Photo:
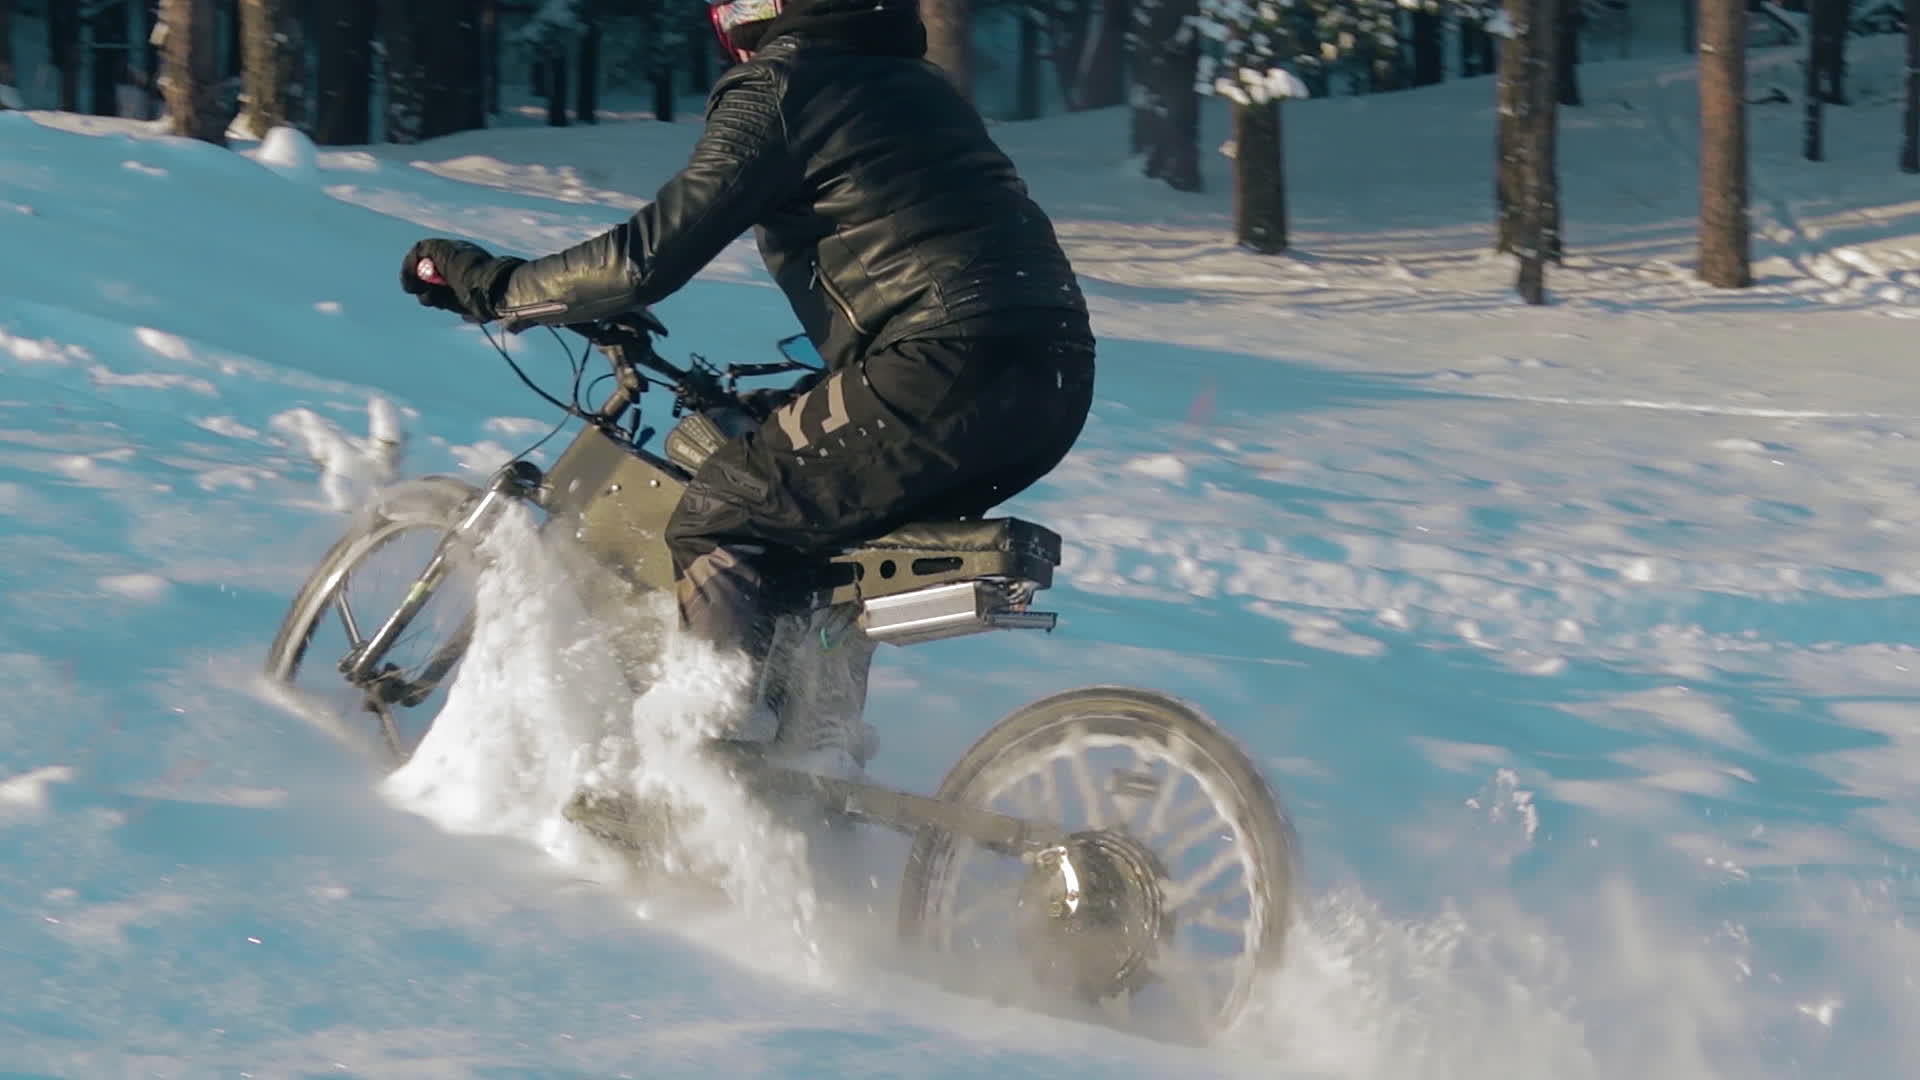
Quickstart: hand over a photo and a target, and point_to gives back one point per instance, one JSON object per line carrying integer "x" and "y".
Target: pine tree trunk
{"x": 233, "y": 56}
{"x": 299, "y": 86}
{"x": 702, "y": 43}
{"x": 663, "y": 103}
{"x": 343, "y": 72}
{"x": 1724, "y": 240}
{"x": 1910, "y": 119}
{"x": 1259, "y": 179}
{"x": 1477, "y": 49}
{"x": 1180, "y": 126}
{"x": 155, "y": 105}
{"x": 1026, "y": 89}
{"x": 6, "y": 45}
{"x": 1384, "y": 75}
{"x": 405, "y": 71}
{"x": 1538, "y": 241}
{"x": 1105, "y": 84}
{"x": 192, "y": 71}
{"x": 556, "y": 75}
{"x": 490, "y": 42}
{"x": 587, "y": 98}
{"x": 1830, "y": 44}
{"x": 267, "y": 35}
{"x": 1811, "y": 131}
{"x": 1429, "y": 48}
{"x": 950, "y": 39}
{"x": 433, "y": 68}
{"x": 1566, "y": 64}
{"x": 462, "y": 63}
{"x": 63, "y": 49}
{"x": 1511, "y": 96}
{"x": 1165, "y": 65}
{"x": 110, "y": 55}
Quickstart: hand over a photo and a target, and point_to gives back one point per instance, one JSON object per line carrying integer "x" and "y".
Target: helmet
{"x": 726, "y": 15}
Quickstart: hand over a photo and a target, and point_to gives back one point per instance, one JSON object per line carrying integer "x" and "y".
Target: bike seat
{"x": 928, "y": 553}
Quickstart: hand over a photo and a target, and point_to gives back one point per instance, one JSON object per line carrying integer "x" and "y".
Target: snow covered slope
{"x": 1580, "y": 640}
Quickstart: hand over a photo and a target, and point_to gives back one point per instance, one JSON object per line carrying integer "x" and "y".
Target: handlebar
{"x": 626, "y": 339}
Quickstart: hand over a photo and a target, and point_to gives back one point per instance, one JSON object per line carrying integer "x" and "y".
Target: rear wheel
{"x": 1165, "y": 905}
{"x": 381, "y": 623}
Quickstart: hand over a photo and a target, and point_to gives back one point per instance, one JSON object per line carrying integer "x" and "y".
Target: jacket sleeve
{"x": 739, "y": 168}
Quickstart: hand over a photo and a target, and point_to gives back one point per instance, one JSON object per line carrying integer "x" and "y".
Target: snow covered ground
{"x": 1579, "y": 639}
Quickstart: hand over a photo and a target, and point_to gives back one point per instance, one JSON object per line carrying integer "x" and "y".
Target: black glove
{"x": 472, "y": 279}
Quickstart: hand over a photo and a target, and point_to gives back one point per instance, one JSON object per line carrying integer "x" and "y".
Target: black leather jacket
{"x": 882, "y": 207}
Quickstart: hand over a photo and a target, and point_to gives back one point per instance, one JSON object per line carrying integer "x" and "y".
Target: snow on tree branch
{"x": 1257, "y": 50}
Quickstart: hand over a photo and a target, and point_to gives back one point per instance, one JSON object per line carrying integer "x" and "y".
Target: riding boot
{"x": 721, "y": 597}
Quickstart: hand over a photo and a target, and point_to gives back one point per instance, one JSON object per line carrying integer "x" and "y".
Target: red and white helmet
{"x": 732, "y": 13}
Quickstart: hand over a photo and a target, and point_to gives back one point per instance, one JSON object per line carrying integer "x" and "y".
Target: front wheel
{"x": 384, "y": 618}
{"x": 1164, "y": 906}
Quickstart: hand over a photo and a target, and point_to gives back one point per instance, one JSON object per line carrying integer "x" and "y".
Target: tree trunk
{"x": 663, "y": 101}
{"x": 1104, "y": 84}
{"x": 587, "y": 98}
{"x": 234, "y": 55}
{"x": 343, "y": 72}
{"x": 268, "y": 36}
{"x": 1384, "y": 74}
{"x": 1088, "y": 53}
{"x": 1180, "y": 127}
{"x": 405, "y": 70}
{"x": 1026, "y": 87}
{"x": 1429, "y": 48}
{"x": 1477, "y": 49}
{"x": 1724, "y": 240}
{"x": 1566, "y": 64}
{"x": 950, "y": 39}
{"x": 556, "y": 75}
{"x": 6, "y": 44}
{"x": 490, "y": 42}
{"x": 299, "y": 88}
{"x": 110, "y": 55}
{"x": 1910, "y": 119}
{"x": 1539, "y": 217}
{"x": 1828, "y": 48}
{"x": 1512, "y": 98}
{"x": 702, "y": 43}
{"x": 433, "y": 68}
{"x": 63, "y": 49}
{"x": 150, "y": 78}
{"x": 1811, "y": 129}
{"x": 1166, "y": 63}
{"x": 192, "y": 71}
{"x": 665, "y": 25}
{"x": 1259, "y": 179}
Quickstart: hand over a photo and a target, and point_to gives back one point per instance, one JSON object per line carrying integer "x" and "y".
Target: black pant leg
{"x": 870, "y": 448}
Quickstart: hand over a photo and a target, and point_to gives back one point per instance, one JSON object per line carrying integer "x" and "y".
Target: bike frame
{"x": 615, "y": 498}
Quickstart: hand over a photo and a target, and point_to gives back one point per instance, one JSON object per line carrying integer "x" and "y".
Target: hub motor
{"x": 1089, "y": 917}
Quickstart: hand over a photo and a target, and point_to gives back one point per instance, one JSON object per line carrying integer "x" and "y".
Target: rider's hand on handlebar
{"x": 456, "y": 276}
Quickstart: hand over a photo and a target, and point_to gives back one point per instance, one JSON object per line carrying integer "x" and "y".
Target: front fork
{"x": 518, "y": 480}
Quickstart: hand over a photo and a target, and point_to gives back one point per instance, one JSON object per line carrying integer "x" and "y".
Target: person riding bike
{"x": 959, "y": 354}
